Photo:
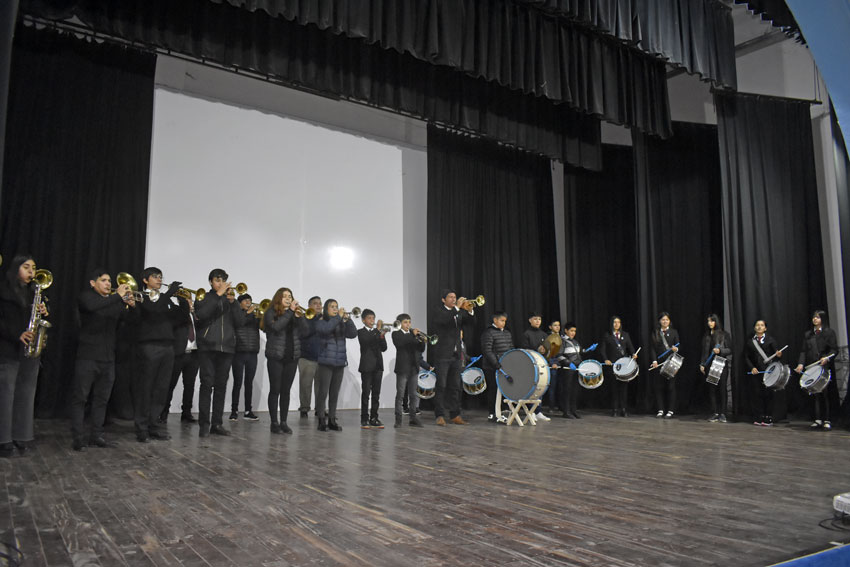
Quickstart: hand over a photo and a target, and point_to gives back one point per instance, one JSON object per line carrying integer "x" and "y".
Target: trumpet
{"x": 261, "y": 308}
{"x": 188, "y": 293}
{"x": 240, "y": 289}
{"x": 470, "y": 304}
{"x": 308, "y": 313}
{"x": 394, "y": 327}
{"x": 430, "y": 339}
{"x": 355, "y": 312}
{"x": 124, "y": 278}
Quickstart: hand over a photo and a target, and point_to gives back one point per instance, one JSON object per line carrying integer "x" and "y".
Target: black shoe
{"x": 160, "y": 436}
{"x": 285, "y": 428}
{"x": 22, "y": 446}
{"x": 304, "y": 414}
{"x": 405, "y": 411}
{"x": 614, "y": 413}
{"x": 414, "y": 421}
{"x": 100, "y": 442}
{"x": 323, "y": 424}
{"x": 334, "y": 426}
{"x": 234, "y": 416}
{"x": 7, "y": 451}
{"x": 375, "y": 423}
{"x": 624, "y": 413}
{"x": 143, "y": 439}
{"x": 364, "y": 424}
{"x": 568, "y": 415}
{"x": 576, "y": 415}
{"x": 275, "y": 427}
{"x": 249, "y": 415}
{"x": 204, "y": 432}
{"x": 163, "y": 417}
{"x": 397, "y": 421}
{"x": 187, "y": 418}
{"x": 78, "y": 445}
{"x": 219, "y": 430}
{"x": 418, "y": 411}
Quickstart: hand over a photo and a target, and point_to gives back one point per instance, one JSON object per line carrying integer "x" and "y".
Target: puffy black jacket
{"x": 494, "y": 343}
{"x": 248, "y": 335}
{"x": 333, "y": 333}
{"x": 280, "y": 330}
{"x": 14, "y": 319}
{"x": 218, "y": 320}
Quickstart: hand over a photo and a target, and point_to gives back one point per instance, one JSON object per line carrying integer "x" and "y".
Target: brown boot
{"x": 441, "y": 420}
{"x": 458, "y": 420}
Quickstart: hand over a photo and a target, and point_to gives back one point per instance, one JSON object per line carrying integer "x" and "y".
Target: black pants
{"x": 717, "y": 392}
{"x": 151, "y": 387}
{"x": 371, "y": 388}
{"x": 448, "y": 390}
{"x": 327, "y": 391}
{"x": 765, "y": 398}
{"x": 244, "y": 368}
{"x": 823, "y": 400}
{"x": 662, "y": 385}
{"x": 215, "y": 370}
{"x": 570, "y": 389}
{"x": 281, "y": 376}
{"x": 187, "y": 365}
{"x": 619, "y": 389}
{"x": 95, "y": 378}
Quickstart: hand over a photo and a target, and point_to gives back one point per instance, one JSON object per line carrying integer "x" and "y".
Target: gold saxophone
{"x": 38, "y": 326}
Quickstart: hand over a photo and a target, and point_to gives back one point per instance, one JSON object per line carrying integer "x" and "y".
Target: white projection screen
{"x": 277, "y": 203}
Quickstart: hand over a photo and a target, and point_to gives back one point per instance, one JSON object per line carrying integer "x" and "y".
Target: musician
{"x": 448, "y": 321}
{"x": 662, "y": 346}
{"x": 186, "y": 362}
{"x": 18, "y": 374}
{"x": 308, "y": 364}
{"x": 218, "y": 318}
{"x": 333, "y": 329}
{"x": 757, "y": 352}
{"x": 409, "y": 346}
{"x": 495, "y": 341}
{"x": 534, "y": 338}
{"x": 373, "y": 342}
{"x": 616, "y": 344}
{"x": 284, "y": 327}
{"x": 155, "y": 354}
{"x": 245, "y": 358}
{"x": 716, "y": 342}
{"x": 94, "y": 373}
{"x": 819, "y": 344}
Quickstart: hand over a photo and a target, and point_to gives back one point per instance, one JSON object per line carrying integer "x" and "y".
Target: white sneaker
{"x": 502, "y": 419}
{"x": 660, "y": 413}
{"x": 669, "y": 415}
{"x": 542, "y": 417}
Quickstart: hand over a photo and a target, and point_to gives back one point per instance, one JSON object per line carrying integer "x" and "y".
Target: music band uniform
{"x": 495, "y": 342}
{"x": 186, "y": 363}
{"x": 373, "y": 344}
{"x": 616, "y": 345}
{"x": 245, "y": 360}
{"x": 661, "y": 341}
{"x": 754, "y": 359}
{"x": 570, "y": 354}
{"x": 819, "y": 343}
{"x": 447, "y": 355}
{"x": 409, "y": 351}
{"x": 720, "y": 339}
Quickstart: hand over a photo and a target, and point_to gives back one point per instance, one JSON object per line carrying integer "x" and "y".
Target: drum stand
{"x": 528, "y": 405}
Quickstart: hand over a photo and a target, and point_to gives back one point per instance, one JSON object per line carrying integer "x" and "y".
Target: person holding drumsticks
{"x": 757, "y": 356}
{"x": 820, "y": 345}
{"x": 662, "y": 346}
{"x": 616, "y": 343}
{"x": 716, "y": 342}
{"x": 495, "y": 341}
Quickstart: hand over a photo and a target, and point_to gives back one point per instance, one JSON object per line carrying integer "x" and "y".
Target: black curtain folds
{"x": 679, "y": 247}
{"x": 842, "y": 179}
{"x": 75, "y": 186}
{"x": 602, "y": 268}
{"x": 8, "y": 17}
{"x": 772, "y": 238}
{"x": 490, "y": 230}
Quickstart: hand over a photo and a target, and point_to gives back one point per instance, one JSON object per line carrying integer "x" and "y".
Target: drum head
{"x": 518, "y": 377}
{"x": 472, "y": 376}
{"x": 626, "y": 368}
{"x": 590, "y": 368}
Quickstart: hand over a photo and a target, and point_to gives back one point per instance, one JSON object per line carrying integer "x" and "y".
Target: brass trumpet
{"x": 308, "y": 313}
{"x": 470, "y": 304}
{"x": 188, "y": 293}
{"x": 240, "y": 289}
{"x": 261, "y": 308}
{"x": 124, "y": 278}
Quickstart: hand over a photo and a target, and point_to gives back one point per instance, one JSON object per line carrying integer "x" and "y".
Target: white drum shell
{"x": 426, "y": 385}
{"x": 590, "y": 374}
{"x": 815, "y": 379}
{"x": 776, "y": 376}
{"x": 472, "y": 380}
{"x": 626, "y": 369}
{"x": 672, "y": 365}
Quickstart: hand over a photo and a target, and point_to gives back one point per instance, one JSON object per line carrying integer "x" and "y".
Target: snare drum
{"x": 524, "y": 375}
{"x": 715, "y": 371}
{"x": 426, "y": 385}
{"x": 672, "y": 365}
{"x": 473, "y": 381}
{"x": 590, "y": 374}
{"x": 776, "y": 376}
{"x": 626, "y": 369}
{"x": 815, "y": 379}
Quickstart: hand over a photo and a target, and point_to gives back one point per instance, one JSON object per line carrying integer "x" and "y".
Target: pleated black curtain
{"x": 679, "y": 247}
{"x": 490, "y": 230}
{"x": 8, "y": 18}
{"x": 842, "y": 175}
{"x": 602, "y": 268}
{"x": 75, "y": 185}
{"x": 772, "y": 239}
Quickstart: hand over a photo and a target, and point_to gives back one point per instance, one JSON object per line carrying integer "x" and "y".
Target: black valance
{"x": 319, "y": 60}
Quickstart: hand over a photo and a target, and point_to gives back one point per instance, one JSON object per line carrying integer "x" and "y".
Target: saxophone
{"x": 38, "y": 326}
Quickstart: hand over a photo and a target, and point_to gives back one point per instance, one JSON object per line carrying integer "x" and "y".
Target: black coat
{"x": 494, "y": 343}
{"x": 408, "y": 351}
{"x": 181, "y": 327}
{"x": 721, "y": 340}
{"x": 15, "y": 313}
{"x": 752, "y": 358}
{"x": 248, "y": 335}
{"x": 280, "y": 330}
{"x": 657, "y": 345}
{"x": 816, "y": 346}
{"x": 99, "y": 318}
{"x": 532, "y": 339}
{"x": 157, "y": 319}
{"x": 218, "y": 320}
{"x": 612, "y": 349}
{"x": 447, "y": 325}
{"x": 372, "y": 344}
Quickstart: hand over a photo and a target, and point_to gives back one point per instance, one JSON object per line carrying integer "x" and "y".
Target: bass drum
{"x": 426, "y": 385}
{"x": 776, "y": 376}
{"x": 524, "y": 375}
{"x": 473, "y": 381}
{"x": 626, "y": 369}
{"x": 590, "y": 374}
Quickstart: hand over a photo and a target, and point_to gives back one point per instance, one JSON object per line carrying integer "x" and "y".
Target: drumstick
{"x": 812, "y": 365}
{"x": 638, "y": 350}
{"x": 666, "y": 351}
{"x": 769, "y": 358}
{"x": 472, "y": 361}
{"x": 759, "y": 372}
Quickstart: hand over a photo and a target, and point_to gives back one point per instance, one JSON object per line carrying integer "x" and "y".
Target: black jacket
{"x": 612, "y": 349}
{"x": 218, "y": 320}
{"x": 408, "y": 351}
{"x": 494, "y": 343}
{"x": 571, "y": 351}
{"x": 447, "y": 325}
{"x": 532, "y": 339}
{"x": 281, "y": 330}
{"x": 15, "y": 313}
{"x": 752, "y": 358}
{"x": 157, "y": 319}
{"x": 721, "y": 340}
{"x": 816, "y": 346}
{"x": 372, "y": 344}
{"x": 181, "y": 327}
{"x": 656, "y": 345}
{"x": 99, "y": 317}
{"x": 248, "y": 335}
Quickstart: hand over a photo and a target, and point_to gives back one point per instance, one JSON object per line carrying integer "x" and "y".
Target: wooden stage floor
{"x": 592, "y": 492}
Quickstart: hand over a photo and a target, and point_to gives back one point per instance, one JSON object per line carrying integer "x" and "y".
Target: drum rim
{"x": 631, "y": 360}
{"x": 472, "y": 369}
{"x": 591, "y": 361}
{"x": 525, "y": 352}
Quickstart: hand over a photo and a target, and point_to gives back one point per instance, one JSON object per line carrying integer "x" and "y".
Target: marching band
{"x": 213, "y": 332}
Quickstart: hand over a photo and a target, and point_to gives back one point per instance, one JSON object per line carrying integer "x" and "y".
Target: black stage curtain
{"x": 8, "y": 17}
{"x": 76, "y": 178}
{"x": 505, "y": 42}
{"x": 772, "y": 238}
{"x": 842, "y": 174}
{"x": 491, "y": 230}
{"x": 679, "y": 247}
{"x": 600, "y": 255}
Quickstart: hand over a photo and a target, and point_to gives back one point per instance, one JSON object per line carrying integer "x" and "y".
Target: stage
{"x": 598, "y": 491}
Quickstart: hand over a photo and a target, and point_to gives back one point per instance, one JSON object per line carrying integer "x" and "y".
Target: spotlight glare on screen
{"x": 341, "y": 258}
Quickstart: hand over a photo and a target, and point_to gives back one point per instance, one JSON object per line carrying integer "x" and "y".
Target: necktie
{"x": 191, "y": 329}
